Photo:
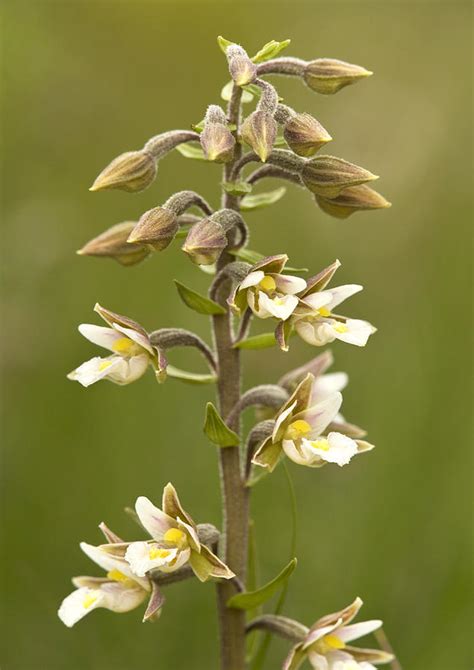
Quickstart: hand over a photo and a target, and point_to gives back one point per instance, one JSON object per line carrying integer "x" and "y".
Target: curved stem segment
{"x": 235, "y": 496}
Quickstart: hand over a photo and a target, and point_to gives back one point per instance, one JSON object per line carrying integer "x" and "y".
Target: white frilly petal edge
{"x": 138, "y": 557}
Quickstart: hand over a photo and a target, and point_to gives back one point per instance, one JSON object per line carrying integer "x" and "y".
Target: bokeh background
{"x": 84, "y": 81}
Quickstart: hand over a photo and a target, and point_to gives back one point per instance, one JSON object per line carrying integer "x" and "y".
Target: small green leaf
{"x": 237, "y": 187}
{"x": 247, "y": 255}
{"x": 223, "y": 43}
{"x": 259, "y": 200}
{"x": 189, "y": 377}
{"x": 199, "y": 127}
{"x": 217, "y": 431}
{"x": 197, "y": 302}
{"x": 227, "y": 92}
{"x": 252, "y": 599}
{"x": 270, "y": 50}
{"x": 263, "y": 341}
{"x": 191, "y": 151}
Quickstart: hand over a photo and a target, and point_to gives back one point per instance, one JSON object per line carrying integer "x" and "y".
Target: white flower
{"x": 175, "y": 541}
{"x": 119, "y": 591}
{"x": 299, "y": 432}
{"x": 266, "y": 291}
{"x": 326, "y": 648}
{"x": 132, "y": 351}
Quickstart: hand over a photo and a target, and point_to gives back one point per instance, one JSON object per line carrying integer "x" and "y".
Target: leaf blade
{"x": 262, "y": 341}
{"x": 252, "y": 599}
{"x": 197, "y": 302}
{"x": 259, "y": 200}
{"x": 217, "y": 431}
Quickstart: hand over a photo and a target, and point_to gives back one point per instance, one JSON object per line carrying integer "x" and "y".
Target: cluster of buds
{"x": 135, "y": 570}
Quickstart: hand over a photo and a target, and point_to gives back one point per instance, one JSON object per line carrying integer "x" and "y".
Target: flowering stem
{"x": 235, "y": 496}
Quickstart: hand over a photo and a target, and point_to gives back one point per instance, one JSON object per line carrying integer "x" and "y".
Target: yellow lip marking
{"x": 297, "y": 429}
{"x": 267, "y": 284}
{"x": 123, "y": 345}
{"x": 104, "y": 365}
{"x": 322, "y": 444}
{"x": 324, "y": 311}
{"x": 156, "y": 552}
{"x": 89, "y": 599}
{"x": 174, "y": 536}
{"x": 334, "y": 642}
{"x": 340, "y": 328}
{"x": 118, "y": 576}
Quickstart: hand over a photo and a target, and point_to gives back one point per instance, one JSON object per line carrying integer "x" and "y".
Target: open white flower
{"x": 119, "y": 591}
{"x": 175, "y": 541}
{"x": 266, "y": 291}
{"x": 300, "y": 432}
{"x": 326, "y": 648}
{"x": 132, "y": 351}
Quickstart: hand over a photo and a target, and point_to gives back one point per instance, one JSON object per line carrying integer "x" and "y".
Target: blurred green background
{"x": 84, "y": 81}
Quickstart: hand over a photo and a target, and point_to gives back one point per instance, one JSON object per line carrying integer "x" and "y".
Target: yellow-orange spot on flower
{"x": 174, "y": 536}
{"x": 267, "y": 284}
{"x": 322, "y": 444}
{"x": 89, "y": 600}
{"x": 324, "y": 311}
{"x": 104, "y": 365}
{"x": 297, "y": 429}
{"x": 340, "y": 327}
{"x": 334, "y": 642}
{"x": 156, "y": 552}
{"x": 118, "y": 576}
{"x": 123, "y": 345}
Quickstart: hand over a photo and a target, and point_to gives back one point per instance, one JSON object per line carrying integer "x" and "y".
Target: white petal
{"x": 317, "y": 300}
{"x": 325, "y": 385}
{"x": 79, "y": 603}
{"x": 341, "y": 293}
{"x": 318, "y": 661}
{"x": 153, "y": 519}
{"x": 281, "y": 307}
{"x": 182, "y": 558}
{"x": 100, "y": 335}
{"x": 317, "y": 333}
{"x": 131, "y": 370}
{"x": 98, "y": 368}
{"x": 319, "y": 416}
{"x": 121, "y": 598}
{"x": 358, "y": 332}
{"x": 138, "y": 556}
{"x": 356, "y": 630}
{"x": 261, "y": 312}
{"x": 289, "y": 284}
{"x": 252, "y": 279}
{"x": 341, "y": 449}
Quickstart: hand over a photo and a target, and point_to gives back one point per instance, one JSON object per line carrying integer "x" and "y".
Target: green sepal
{"x": 223, "y": 43}
{"x": 269, "y": 50}
{"x": 197, "y": 302}
{"x": 237, "y": 187}
{"x": 259, "y": 200}
{"x": 262, "y": 341}
{"x": 190, "y": 377}
{"x": 191, "y": 151}
{"x": 252, "y": 599}
{"x": 217, "y": 431}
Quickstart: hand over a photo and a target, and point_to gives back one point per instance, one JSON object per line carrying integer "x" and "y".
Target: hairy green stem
{"x": 235, "y": 496}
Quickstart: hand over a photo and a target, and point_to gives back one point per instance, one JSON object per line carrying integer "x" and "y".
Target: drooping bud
{"x": 216, "y": 139}
{"x": 328, "y": 175}
{"x": 112, "y": 243}
{"x": 242, "y": 70}
{"x": 305, "y": 135}
{"x": 157, "y": 227}
{"x": 132, "y": 171}
{"x": 329, "y": 75}
{"x": 351, "y": 200}
{"x": 205, "y": 242}
{"x": 259, "y": 131}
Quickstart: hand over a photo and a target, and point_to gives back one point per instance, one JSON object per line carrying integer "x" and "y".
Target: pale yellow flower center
{"x": 297, "y": 430}
{"x": 175, "y": 536}
{"x": 328, "y": 643}
{"x": 267, "y": 284}
{"x": 117, "y": 576}
{"x": 89, "y": 600}
{"x": 321, "y": 443}
{"x": 104, "y": 365}
{"x": 125, "y": 346}
{"x": 340, "y": 327}
{"x": 324, "y": 311}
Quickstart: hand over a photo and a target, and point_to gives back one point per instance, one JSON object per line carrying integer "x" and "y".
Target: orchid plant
{"x": 298, "y": 418}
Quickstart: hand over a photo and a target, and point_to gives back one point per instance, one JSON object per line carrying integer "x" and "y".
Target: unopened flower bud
{"x": 112, "y": 243}
{"x": 156, "y": 227}
{"x": 305, "y": 135}
{"x": 259, "y": 131}
{"x": 132, "y": 171}
{"x": 328, "y": 75}
{"x": 242, "y": 70}
{"x": 352, "y": 199}
{"x": 217, "y": 142}
{"x": 205, "y": 242}
{"x": 328, "y": 175}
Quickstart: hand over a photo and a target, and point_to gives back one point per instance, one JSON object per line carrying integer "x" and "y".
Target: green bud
{"x": 328, "y": 75}
{"x": 259, "y": 131}
{"x": 328, "y": 176}
{"x": 205, "y": 242}
{"x": 156, "y": 227}
{"x": 132, "y": 171}
{"x": 241, "y": 68}
{"x": 351, "y": 200}
{"x": 112, "y": 243}
{"x": 305, "y": 135}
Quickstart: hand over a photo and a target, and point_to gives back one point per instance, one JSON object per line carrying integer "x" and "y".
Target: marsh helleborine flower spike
{"x": 326, "y": 648}
{"x": 299, "y": 432}
{"x": 175, "y": 541}
{"x": 119, "y": 591}
{"x": 267, "y": 291}
{"x": 132, "y": 352}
